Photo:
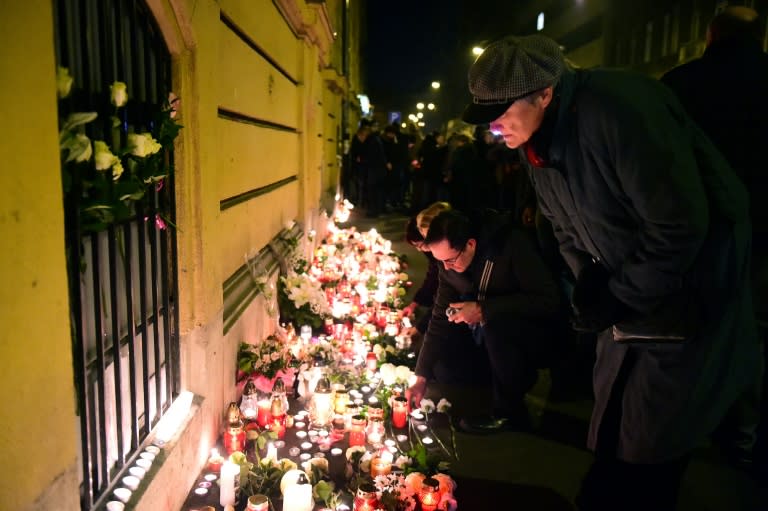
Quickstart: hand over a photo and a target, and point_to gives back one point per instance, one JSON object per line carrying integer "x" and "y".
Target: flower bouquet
{"x": 265, "y": 363}
{"x": 301, "y": 298}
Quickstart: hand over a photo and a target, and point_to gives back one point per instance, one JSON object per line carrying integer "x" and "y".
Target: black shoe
{"x": 488, "y": 424}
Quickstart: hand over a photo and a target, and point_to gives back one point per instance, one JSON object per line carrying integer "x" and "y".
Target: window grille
{"x": 122, "y": 279}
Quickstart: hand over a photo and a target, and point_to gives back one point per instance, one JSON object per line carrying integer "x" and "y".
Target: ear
{"x": 471, "y": 243}
{"x": 546, "y": 96}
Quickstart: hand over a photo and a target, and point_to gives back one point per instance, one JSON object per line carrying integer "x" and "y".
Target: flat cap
{"x": 508, "y": 70}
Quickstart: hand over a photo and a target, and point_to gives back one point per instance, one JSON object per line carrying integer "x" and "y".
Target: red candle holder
{"x": 365, "y": 498}
{"x": 429, "y": 495}
{"x": 399, "y": 412}
{"x": 357, "y": 431}
{"x": 234, "y": 438}
{"x": 264, "y": 415}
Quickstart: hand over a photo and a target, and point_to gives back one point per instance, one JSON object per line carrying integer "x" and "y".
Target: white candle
{"x": 131, "y": 482}
{"x": 427, "y": 440}
{"x": 229, "y": 471}
{"x": 298, "y": 497}
{"x": 123, "y": 494}
{"x": 271, "y": 452}
{"x": 137, "y": 471}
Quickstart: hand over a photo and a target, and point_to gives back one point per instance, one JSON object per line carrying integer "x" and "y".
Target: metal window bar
{"x": 123, "y": 280}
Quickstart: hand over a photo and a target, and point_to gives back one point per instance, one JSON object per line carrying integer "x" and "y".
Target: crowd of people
{"x": 616, "y": 206}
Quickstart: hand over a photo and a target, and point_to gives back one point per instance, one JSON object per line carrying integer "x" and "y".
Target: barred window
{"x": 121, "y": 260}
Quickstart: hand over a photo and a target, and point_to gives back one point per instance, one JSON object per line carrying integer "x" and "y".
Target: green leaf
{"x": 77, "y": 119}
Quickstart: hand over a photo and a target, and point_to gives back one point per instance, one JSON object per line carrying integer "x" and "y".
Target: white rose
{"x": 142, "y": 144}
{"x": 63, "y": 82}
{"x": 387, "y": 373}
{"x": 83, "y": 149}
{"x": 117, "y": 170}
{"x": 119, "y": 92}
{"x": 103, "y": 157}
{"x": 402, "y": 373}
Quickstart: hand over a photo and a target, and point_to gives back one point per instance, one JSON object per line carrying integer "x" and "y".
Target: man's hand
{"x": 466, "y": 312}
{"x": 409, "y": 309}
{"x": 415, "y": 393}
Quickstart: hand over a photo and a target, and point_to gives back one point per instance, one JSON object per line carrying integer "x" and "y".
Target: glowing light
{"x": 540, "y": 21}
{"x": 430, "y": 106}
{"x": 435, "y": 85}
{"x": 171, "y": 422}
{"x": 477, "y": 51}
{"x": 420, "y": 105}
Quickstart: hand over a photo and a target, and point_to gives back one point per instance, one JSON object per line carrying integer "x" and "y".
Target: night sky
{"x": 409, "y": 44}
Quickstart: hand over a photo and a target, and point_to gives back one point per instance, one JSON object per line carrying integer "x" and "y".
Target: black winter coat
{"x": 634, "y": 183}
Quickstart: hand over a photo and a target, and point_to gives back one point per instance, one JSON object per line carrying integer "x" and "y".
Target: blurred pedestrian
{"x": 726, "y": 93}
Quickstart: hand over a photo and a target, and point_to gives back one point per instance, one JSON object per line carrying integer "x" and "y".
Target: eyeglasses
{"x": 455, "y": 258}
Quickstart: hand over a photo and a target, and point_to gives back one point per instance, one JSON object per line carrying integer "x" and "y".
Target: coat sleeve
{"x": 425, "y": 296}
{"x": 575, "y": 256}
{"x": 644, "y": 143}
{"x": 537, "y": 295}
{"x": 439, "y": 327}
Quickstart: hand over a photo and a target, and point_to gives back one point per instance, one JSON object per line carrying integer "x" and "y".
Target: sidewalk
{"x": 542, "y": 470}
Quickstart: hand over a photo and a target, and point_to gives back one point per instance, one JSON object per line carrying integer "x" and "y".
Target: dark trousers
{"x": 614, "y": 484}
{"x": 515, "y": 348}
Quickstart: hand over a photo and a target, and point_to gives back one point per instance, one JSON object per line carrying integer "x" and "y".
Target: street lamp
{"x": 435, "y": 85}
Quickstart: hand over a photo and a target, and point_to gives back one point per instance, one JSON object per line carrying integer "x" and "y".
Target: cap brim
{"x": 483, "y": 114}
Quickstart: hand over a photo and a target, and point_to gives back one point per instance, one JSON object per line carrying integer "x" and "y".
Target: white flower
{"x": 402, "y": 461}
{"x": 63, "y": 82}
{"x": 103, "y": 157}
{"x": 365, "y": 462}
{"x": 427, "y": 405}
{"x": 117, "y": 170}
{"x": 119, "y": 92}
{"x": 403, "y": 373}
{"x": 443, "y": 405}
{"x": 142, "y": 144}
{"x": 352, "y": 450}
{"x": 81, "y": 149}
{"x": 387, "y": 373}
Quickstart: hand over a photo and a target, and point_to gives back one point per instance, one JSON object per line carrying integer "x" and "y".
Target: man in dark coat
{"x": 654, "y": 223}
{"x": 726, "y": 93}
{"x": 497, "y": 305}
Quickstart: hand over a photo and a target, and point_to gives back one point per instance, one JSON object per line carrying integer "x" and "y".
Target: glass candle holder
{"x": 341, "y": 399}
{"x": 399, "y": 412}
{"x": 258, "y": 502}
{"x": 374, "y": 432}
{"x": 357, "y": 431}
{"x": 429, "y": 495}
{"x": 264, "y": 414}
{"x": 376, "y": 411}
{"x": 234, "y": 437}
{"x": 381, "y": 464}
{"x": 365, "y": 498}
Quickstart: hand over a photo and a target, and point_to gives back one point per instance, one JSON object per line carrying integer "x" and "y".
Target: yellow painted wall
{"x": 37, "y": 409}
{"x": 217, "y": 158}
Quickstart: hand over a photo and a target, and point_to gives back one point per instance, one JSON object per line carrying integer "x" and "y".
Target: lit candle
{"x": 258, "y": 502}
{"x": 322, "y": 403}
{"x": 357, "y": 431}
{"x": 382, "y": 464}
{"x": 271, "y": 452}
{"x": 131, "y": 482}
{"x": 298, "y": 496}
{"x": 427, "y": 440}
{"x": 215, "y": 461}
{"x": 264, "y": 416}
{"x": 429, "y": 495}
{"x": 365, "y": 498}
{"x": 229, "y": 471}
{"x": 399, "y": 412}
